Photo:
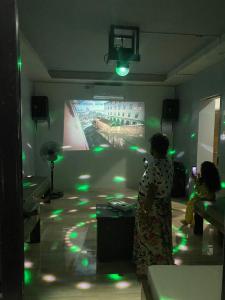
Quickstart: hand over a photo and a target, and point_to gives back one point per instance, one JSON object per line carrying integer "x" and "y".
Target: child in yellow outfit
{"x": 206, "y": 186}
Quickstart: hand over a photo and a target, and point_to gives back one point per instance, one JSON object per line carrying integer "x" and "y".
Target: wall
{"x": 105, "y": 165}
{"x": 27, "y": 126}
{"x": 206, "y": 137}
{"x": 208, "y": 83}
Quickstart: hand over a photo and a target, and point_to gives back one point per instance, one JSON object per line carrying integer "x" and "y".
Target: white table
{"x": 185, "y": 282}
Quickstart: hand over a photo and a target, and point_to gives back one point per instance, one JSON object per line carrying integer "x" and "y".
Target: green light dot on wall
{"x": 27, "y": 277}
{"x": 82, "y": 187}
{"x": 19, "y": 63}
{"x": 223, "y": 185}
{"x": 23, "y": 156}
{"x": 26, "y": 184}
{"x": 193, "y": 194}
{"x": 133, "y": 148}
{"x": 172, "y": 152}
{"x": 153, "y": 123}
{"x": 80, "y": 224}
{"x": 193, "y": 135}
{"x": 73, "y": 235}
{"x": 74, "y": 249}
{"x": 119, "y": 179}
{"x": 26, "y": 247}
{"x": 92, "y": 216}
{"x": 206, "y": 205}
{"x": 114, "y": 277}
{"x": 85, "y": 262}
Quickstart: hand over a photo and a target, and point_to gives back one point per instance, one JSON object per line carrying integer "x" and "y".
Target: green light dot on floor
{"x": 98, "y": 149}
{"x": 119, "y": 179}
{"x": 27, "y": 277}
{"x": 57, "y": 212}
{"x": 114, "y": 277}
{"x": 73, "y": 235}
{"x": 74, "y": 249}
{"x": 85, "y": 262}
{"x": 80, "y": 224}
{"x": 92, "y": 216}
{"x": 82, "y": 187}
{"x": 133, "y": 148}
{"x": 222, "y": 185}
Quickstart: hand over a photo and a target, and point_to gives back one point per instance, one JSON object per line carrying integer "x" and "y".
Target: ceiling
{"x": 71, "y": 36}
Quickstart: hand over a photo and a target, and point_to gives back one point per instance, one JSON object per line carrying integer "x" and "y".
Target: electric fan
{"x": 50, "y": 152}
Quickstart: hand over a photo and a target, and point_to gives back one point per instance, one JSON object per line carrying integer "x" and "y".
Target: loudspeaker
{"x": 170, "y": 111}
{"x": 39, "y": 108}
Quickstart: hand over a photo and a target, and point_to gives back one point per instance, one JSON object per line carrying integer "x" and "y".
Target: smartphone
{"x": 194, "y": 171}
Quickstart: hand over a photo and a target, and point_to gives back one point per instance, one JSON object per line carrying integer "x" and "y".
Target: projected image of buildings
{"x": 91, "y": 123}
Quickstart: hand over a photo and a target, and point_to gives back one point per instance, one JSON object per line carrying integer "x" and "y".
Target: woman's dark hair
{"x": 210, "y": 176}
{"x": 159, "y": 143}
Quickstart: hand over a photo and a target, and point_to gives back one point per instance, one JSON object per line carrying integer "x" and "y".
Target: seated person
{"x": 205, "y": 188}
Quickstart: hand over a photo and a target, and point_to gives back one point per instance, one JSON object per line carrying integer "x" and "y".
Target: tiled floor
{"x": 63, "y": 266}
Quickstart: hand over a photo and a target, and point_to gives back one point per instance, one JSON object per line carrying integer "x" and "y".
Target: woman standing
{"x": 153, "y": 234}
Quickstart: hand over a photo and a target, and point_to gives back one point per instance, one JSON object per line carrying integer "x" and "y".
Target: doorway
{"x": 208, "y": 131}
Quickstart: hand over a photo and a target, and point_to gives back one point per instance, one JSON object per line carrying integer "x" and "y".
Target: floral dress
{"x": 153, "y": 227}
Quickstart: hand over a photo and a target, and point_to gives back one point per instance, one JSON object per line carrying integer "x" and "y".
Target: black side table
{"x": 115, "y": 233}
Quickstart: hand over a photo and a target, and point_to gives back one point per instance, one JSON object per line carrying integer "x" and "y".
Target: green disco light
{"x": 114, "y": 277}
{"x": 122, "y": 69}
{"x": 223, "y": 185}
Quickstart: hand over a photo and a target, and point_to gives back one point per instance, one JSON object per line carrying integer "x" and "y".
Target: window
{"x": 136, "y": 116}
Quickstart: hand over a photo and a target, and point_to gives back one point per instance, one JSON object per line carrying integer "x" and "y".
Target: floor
{"x": 63, "y": 266}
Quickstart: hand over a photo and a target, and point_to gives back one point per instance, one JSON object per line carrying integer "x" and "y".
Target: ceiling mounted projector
{"x": 123, "y": 47}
